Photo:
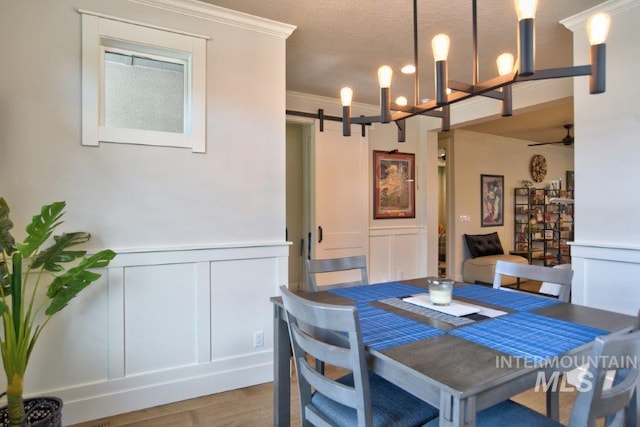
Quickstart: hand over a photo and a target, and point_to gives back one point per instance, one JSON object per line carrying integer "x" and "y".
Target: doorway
{"x": 326, "y": 196}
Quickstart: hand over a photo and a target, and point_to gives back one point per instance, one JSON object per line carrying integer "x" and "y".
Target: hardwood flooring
{"x": 253, "y": 406}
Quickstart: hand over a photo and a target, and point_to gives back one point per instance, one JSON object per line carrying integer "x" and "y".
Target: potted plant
{"x": 26, "y": 312}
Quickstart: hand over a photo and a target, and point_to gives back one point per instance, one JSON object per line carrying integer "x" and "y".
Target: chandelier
{"x": 449, "y": 92}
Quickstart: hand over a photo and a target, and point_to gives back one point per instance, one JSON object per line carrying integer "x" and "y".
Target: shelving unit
{"x": 542, "y": 229}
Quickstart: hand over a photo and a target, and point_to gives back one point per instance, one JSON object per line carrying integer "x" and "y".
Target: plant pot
{"x": 39, "y": 412}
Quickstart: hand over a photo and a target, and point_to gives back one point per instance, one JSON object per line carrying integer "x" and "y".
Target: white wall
{"x": 474, "y": 154}
{"x": 606, "y": 252}
{"x": 193, "y": 232}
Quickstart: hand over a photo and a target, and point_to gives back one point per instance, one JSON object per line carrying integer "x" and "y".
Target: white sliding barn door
{"x": 339, "y": 196}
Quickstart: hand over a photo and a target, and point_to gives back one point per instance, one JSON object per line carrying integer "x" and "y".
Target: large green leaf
{"x": 56, "y": 253}
{"x": 7, "y": 242}
{"x": 41, "y": 228}
{"x": 66, "y": 286}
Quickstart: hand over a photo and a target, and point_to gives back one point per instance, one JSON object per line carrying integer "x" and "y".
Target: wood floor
{"x": 253, "y": 406}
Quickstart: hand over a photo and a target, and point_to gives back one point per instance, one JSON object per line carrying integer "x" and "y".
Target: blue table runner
{"x": 369, "y": 293}
{"x": 528, "y": 335}
{"x": 382, "y": 329}
{"x": 513, "y": 300}
{"x": 521, "y": 334}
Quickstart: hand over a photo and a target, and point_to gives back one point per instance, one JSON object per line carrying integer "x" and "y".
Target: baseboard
{"x": 133, "y": 399}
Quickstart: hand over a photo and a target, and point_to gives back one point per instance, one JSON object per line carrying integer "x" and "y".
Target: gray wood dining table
{"x": 459, "y": 364}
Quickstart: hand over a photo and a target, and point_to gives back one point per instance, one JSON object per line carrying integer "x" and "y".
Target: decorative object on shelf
{"x": 497, "y": 88}
{"x": 393, "y": 185}
{"x": 25, "y": 311}
{"x": 492, "y": 201}
{"x": 526, "y": 183}
{"x": 570, "y": 183}
{"x": 538, "y": 167}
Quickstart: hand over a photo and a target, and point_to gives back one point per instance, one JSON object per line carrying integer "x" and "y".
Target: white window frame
{"x": 101, "y": 33}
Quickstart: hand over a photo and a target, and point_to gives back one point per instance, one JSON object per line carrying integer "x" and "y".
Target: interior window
{"x": 142, "y": 84}
{"x": 143, "y": 93}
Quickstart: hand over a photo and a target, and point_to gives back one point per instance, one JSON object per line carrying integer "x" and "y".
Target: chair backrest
{"x": 620, "y": 353}
{"x": 318, "y": 266}
{"x": 560, "y": 276}
{"x": 311, "y": 326}
{"x": 553, "y": 288}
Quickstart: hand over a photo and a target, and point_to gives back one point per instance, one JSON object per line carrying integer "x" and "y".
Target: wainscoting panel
{"x": 160, "y": 314}
{"x": 606, "y": 276}
{"x": 396, "y": 253}
{"x": 232, "y": 329}
{"x": 162, "y": 325}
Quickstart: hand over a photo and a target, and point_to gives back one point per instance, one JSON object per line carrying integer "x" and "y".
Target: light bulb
{"x": 440, "y": 46}
{"x": 505, "y": 64}
{"x": 526, "y": 9}
{"x": 598, "y": 28}
{"x": 384, "y": 76}
{"x": 401, "y": 100}
{"x": 346, "y": 95}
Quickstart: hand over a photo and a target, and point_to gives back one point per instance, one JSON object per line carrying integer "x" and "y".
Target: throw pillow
{"x": 484, "y": 244}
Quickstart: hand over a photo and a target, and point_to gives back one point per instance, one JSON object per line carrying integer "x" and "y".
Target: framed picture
{"x": 492, "y": 203}
{"x": 393, "y": 185}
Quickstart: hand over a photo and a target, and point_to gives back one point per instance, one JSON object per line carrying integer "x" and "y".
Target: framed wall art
{"x": 492, "y": 202}
{"x": 393, "y": 185}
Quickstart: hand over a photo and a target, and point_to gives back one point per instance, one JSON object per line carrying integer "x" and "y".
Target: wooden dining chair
{"x": 360, "y": 398}
{"x": 560, "y": 276}
{"x": 612, "y": 352}
{"x": 322, "y": 266}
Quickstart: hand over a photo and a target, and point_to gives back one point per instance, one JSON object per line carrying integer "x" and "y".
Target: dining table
{"x": 487, "y": 346}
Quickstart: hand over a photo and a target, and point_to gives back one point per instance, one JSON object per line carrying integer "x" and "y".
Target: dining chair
{"x": 560, "y": 276}
{"x": 321, "y": 266}
{"x": 619, "y": 353}
{"x": 360, "y": 398}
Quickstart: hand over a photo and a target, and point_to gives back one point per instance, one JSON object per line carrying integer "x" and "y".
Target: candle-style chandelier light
{"x": 499, "y": 88}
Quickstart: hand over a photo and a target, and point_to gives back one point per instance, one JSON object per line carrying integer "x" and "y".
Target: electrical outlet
{"x": 258, "y": 339}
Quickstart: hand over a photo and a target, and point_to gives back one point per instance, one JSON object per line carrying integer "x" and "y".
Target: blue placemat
{"x": 508, "y": 299}
{"x": 528, "y": 335}
{"x": 382, "y": 329}
{"x": 368, "y": 293}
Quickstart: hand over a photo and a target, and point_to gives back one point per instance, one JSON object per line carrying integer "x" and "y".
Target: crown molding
{"x": 612, "y": 7}
{"x": 209, "y": 12}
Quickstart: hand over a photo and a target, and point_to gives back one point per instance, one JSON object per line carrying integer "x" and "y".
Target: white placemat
{"x": 455, "y": 308}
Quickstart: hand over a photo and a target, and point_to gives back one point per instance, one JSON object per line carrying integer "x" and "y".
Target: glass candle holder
{"x": 440, "y": 291}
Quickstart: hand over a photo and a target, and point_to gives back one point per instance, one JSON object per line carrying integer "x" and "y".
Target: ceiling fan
{"x": 567, "y": 140}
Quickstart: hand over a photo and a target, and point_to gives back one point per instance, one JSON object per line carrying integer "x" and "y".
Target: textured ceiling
{"x": 343, "y": 42}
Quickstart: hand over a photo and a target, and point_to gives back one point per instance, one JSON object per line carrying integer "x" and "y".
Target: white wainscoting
{"x": 606, "y": 276}
{"x": 397, "y": 253}
{"x": 162, "y": 325}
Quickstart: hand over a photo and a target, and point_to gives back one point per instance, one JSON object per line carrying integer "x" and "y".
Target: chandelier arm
{"x": 556, "y": 73}
{"x": 475, "y": 71}
{"x": 469, "y": 89}
{"x": 416, "y": 86}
